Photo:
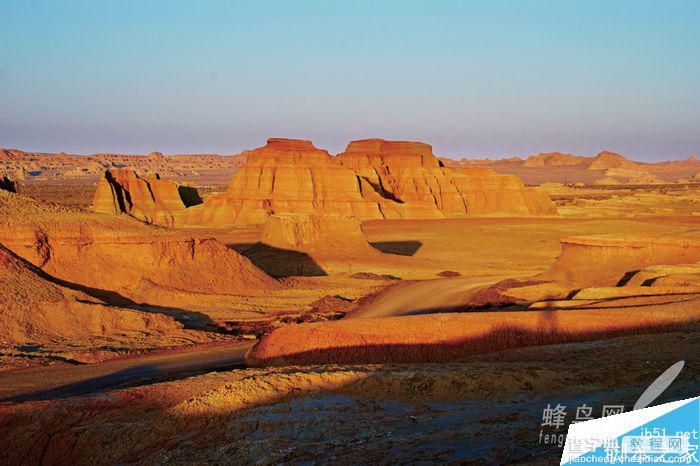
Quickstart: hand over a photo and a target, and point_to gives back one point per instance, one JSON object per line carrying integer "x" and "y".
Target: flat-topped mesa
{"x": 409, "y": 173}
{"x": 287, "y": 176}
{"x": 372, "y": 179}
{"x": 368, "y": 153}
{"x": 147, "y": 198}
{"x": 281, "y": 151}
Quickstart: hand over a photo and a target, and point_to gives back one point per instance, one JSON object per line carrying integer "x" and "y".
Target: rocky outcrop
{"x": 147, "y": 198}
{"x": 120, "y": 256}
{"x": 287, "y": 176}
{"x": 606, "y": 160}
{"x": 409, "y": 174}
{"x": 552, "y": 159}
{"x": 33, "y": 309}
{"x": 205, "y": 168}
{"x": 604, "y": 260}
{"x": 612, "y": 262}
{"x": 372, "y": 179}
{"x": 7, "y": 184}
{"x": 301, "y": 244}
{"x": 325, "y": 235}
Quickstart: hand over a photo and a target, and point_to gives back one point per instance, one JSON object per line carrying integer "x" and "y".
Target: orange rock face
{"x": 286, "y": 176}
{"x": 603, "y": 260}
{"x": 553, "y": 159}
{"x": 324, "y": 235}
{"x": 371, "y": 179}
{"x": 34, "y": 309}
{"x": 326, "y": 242}
{"x": 409, "y": 174}
{"x": 449, "y": 337}
{"x": 147, "y": 198}
{"x": 121, "y": 255}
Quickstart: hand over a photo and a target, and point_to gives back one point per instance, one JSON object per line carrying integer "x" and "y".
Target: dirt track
{"x": 420, "y": 297}
{"x": 64, "y": 381}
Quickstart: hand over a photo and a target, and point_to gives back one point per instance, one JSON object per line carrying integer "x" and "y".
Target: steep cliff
{"x": 147, "y": 198}
{"x": 372, "y": 179}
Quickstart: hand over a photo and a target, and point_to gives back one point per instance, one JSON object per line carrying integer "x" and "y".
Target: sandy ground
{"x": 486, "y": 410}
{"x": 482, "y": 410}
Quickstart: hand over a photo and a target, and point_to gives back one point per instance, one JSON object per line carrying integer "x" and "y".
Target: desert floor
{"x": 199, "y": 404}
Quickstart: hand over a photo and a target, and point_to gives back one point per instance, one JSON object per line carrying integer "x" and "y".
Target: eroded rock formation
{"x": 589, "y": 260}
{"x": 301, "y": 244}
{"x": 608, "y": 261}
{"x": 324, "y": 235}
{"x": 7, "y": 184}
{"x": 287, "y": 176}
{"x": 123, "y": 257}
{"x": 372, "y": 179}
{"x": 409, "y": 173}
{"x": 34, "y": 309}
{"x": 147, "y": 198}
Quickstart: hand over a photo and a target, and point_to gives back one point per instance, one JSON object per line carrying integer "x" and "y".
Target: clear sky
{"x": 488, "y": 78}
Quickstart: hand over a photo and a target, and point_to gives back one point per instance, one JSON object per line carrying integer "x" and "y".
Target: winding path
{"x": 42, "y": 383}
{"x": 421, "y": 297}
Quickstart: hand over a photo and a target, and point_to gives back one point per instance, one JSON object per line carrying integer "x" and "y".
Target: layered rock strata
{"x": 372, "y": 179}
{"x": 120, "y": 256}
{"x": 147, "y": 198}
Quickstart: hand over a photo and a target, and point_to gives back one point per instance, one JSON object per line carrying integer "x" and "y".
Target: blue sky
{"x": 490, "y": 78}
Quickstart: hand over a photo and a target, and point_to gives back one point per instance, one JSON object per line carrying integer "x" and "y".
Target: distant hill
{"x": 28, "y": 166}
{"x": 561, "y": 167}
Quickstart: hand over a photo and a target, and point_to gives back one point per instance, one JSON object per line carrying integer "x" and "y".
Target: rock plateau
{"x": 372, "y": 179}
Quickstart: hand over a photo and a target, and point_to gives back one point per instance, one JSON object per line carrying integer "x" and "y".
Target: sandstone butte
{"x": 372, "y": 179}
{"x": 121, "y": 257}
{"x": 147, "y": 198}
{"x": 552, "y": 159}
{"x": 321, "y": 235}
{"x": 302, "y": 244}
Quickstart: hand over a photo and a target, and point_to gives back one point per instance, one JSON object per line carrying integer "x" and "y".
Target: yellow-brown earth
{"x": 126, "y": 342}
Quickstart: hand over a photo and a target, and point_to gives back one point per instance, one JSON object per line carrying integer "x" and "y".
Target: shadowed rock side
{"x": 147, "y": 198}
{"x": 122, "y": 255}
{"x": 7, "y": 184}
{"x": 372, "y": 179}
{"x": 35, "y": 310}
